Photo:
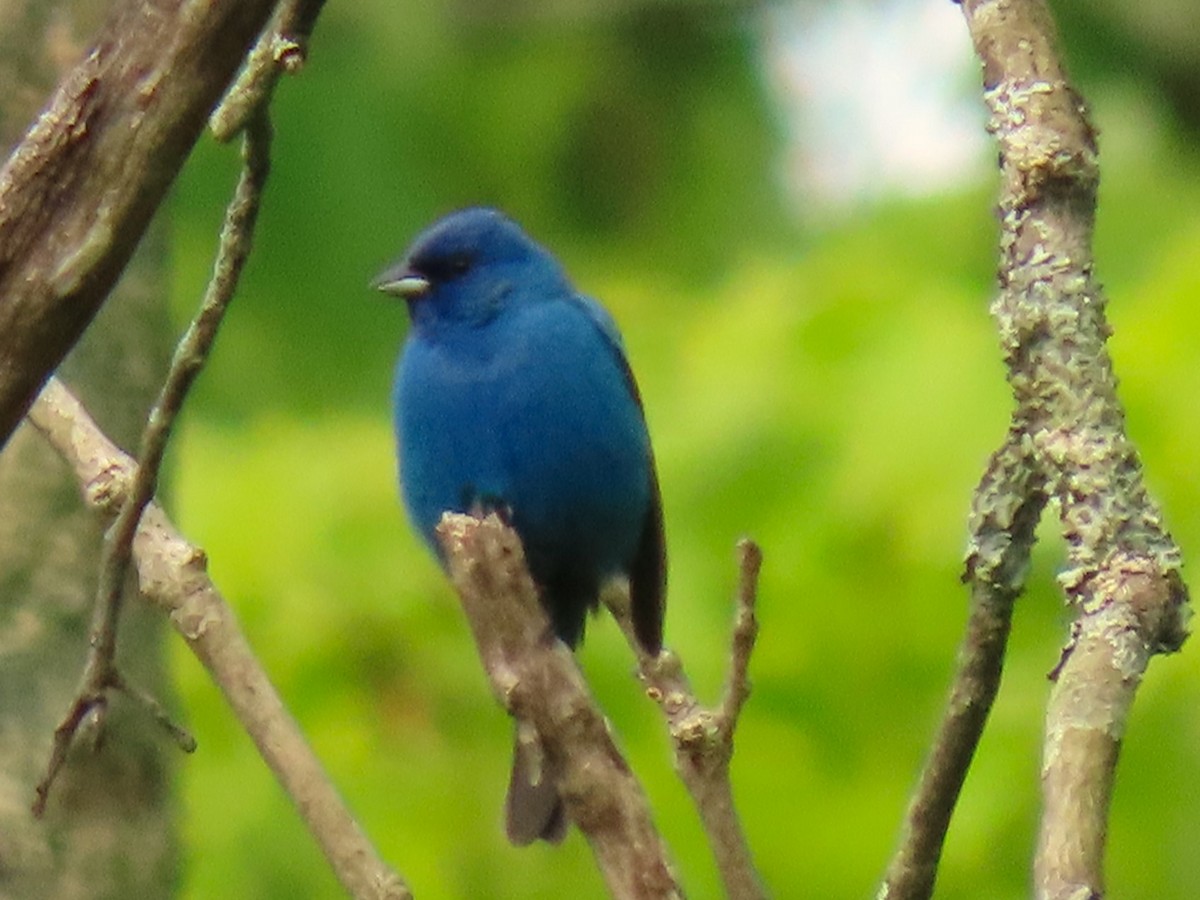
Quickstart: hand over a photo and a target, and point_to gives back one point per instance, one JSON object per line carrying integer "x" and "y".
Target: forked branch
{"x": 1067, "y": 443}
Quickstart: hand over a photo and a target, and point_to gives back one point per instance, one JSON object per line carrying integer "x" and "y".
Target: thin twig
{"x": 703, "y": 737}
{"x": 100, "y": 672}
{"x": 1004, "y": 517}
{"x": 536, "y": 678}
{"x": 745, "y": 632}
{"x": 281, "y": 48}
{"x": 171, "y": 575}
{"x": 157, "y": 711}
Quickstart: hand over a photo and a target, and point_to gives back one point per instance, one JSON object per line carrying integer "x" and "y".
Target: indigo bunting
{"x": 513, "y": 395}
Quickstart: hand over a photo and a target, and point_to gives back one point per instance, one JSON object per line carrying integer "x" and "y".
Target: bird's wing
{"x": 648, "y": 571}
{"x": 648, "y": 574}
{"x": 604, "y": 322}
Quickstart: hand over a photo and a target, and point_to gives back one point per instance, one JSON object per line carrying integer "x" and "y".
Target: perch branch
{"x": 703, "y": 737}
{"x": 79, "y": 190}
{"x": 534, "y": 676}
{"x": 100, "y": 672}
{"x": 171, "y": 575}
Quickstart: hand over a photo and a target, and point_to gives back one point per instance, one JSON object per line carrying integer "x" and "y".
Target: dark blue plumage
{"x": 513, "y": 393}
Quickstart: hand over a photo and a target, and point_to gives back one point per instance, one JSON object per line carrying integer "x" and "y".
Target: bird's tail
{"x": 533, "y": 810}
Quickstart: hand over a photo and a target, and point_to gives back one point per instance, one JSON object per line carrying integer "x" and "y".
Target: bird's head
{"x": 467, "y": 267}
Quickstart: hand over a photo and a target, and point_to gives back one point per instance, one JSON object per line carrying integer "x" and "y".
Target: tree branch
{"x": 1122, "y": 576}
{"x": 282, "y": 48}
{"x": 171, "y": 575}
{"x": 534, "y": 676}
{"x": 1004, "y": 517}
{"x": 1068, "y": 443}
{"x": 100, "y": 672}
{"x": 78, "y": 192}
{"x": 1111, "y": 645}
{"x": 703, "y": 737}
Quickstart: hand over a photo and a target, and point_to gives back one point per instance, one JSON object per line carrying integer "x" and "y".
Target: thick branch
{"x": 1122, "y": 576}
{"x": 1067, "y": 442}
{"x": 1085, "y": 721}
{"x": 535, "y": 677}
{"x": 171, "y": 574}
{"x": 77, "y": 193}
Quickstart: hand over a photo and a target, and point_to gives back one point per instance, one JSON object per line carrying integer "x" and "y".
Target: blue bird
{"x": 513, "y": 395}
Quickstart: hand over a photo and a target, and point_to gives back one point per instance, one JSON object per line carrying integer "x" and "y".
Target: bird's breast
{"x": 533, "y": 412}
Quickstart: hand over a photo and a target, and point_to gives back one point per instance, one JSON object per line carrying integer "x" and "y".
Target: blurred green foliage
{"x": 833, "y": 393}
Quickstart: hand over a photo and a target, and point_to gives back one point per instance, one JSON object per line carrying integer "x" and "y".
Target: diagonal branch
{"x": 171, "y": 575}
{"x": 535, "y": 677}
{"x": 100, "y": 672}
{"x": 79, "y": 190}
{"x": 282, "y": 48}
{"x": 1004, "y": 517}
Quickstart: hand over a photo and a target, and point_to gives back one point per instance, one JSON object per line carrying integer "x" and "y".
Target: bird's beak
{"x": 401, "y": 282}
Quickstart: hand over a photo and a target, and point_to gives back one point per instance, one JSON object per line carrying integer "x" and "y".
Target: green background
{"x": 832, "y": 390}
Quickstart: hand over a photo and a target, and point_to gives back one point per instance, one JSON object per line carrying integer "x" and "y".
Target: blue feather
{"x": 513, "y": 393}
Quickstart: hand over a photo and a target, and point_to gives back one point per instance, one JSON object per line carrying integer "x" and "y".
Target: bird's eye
{"x": 444, "y": 266}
